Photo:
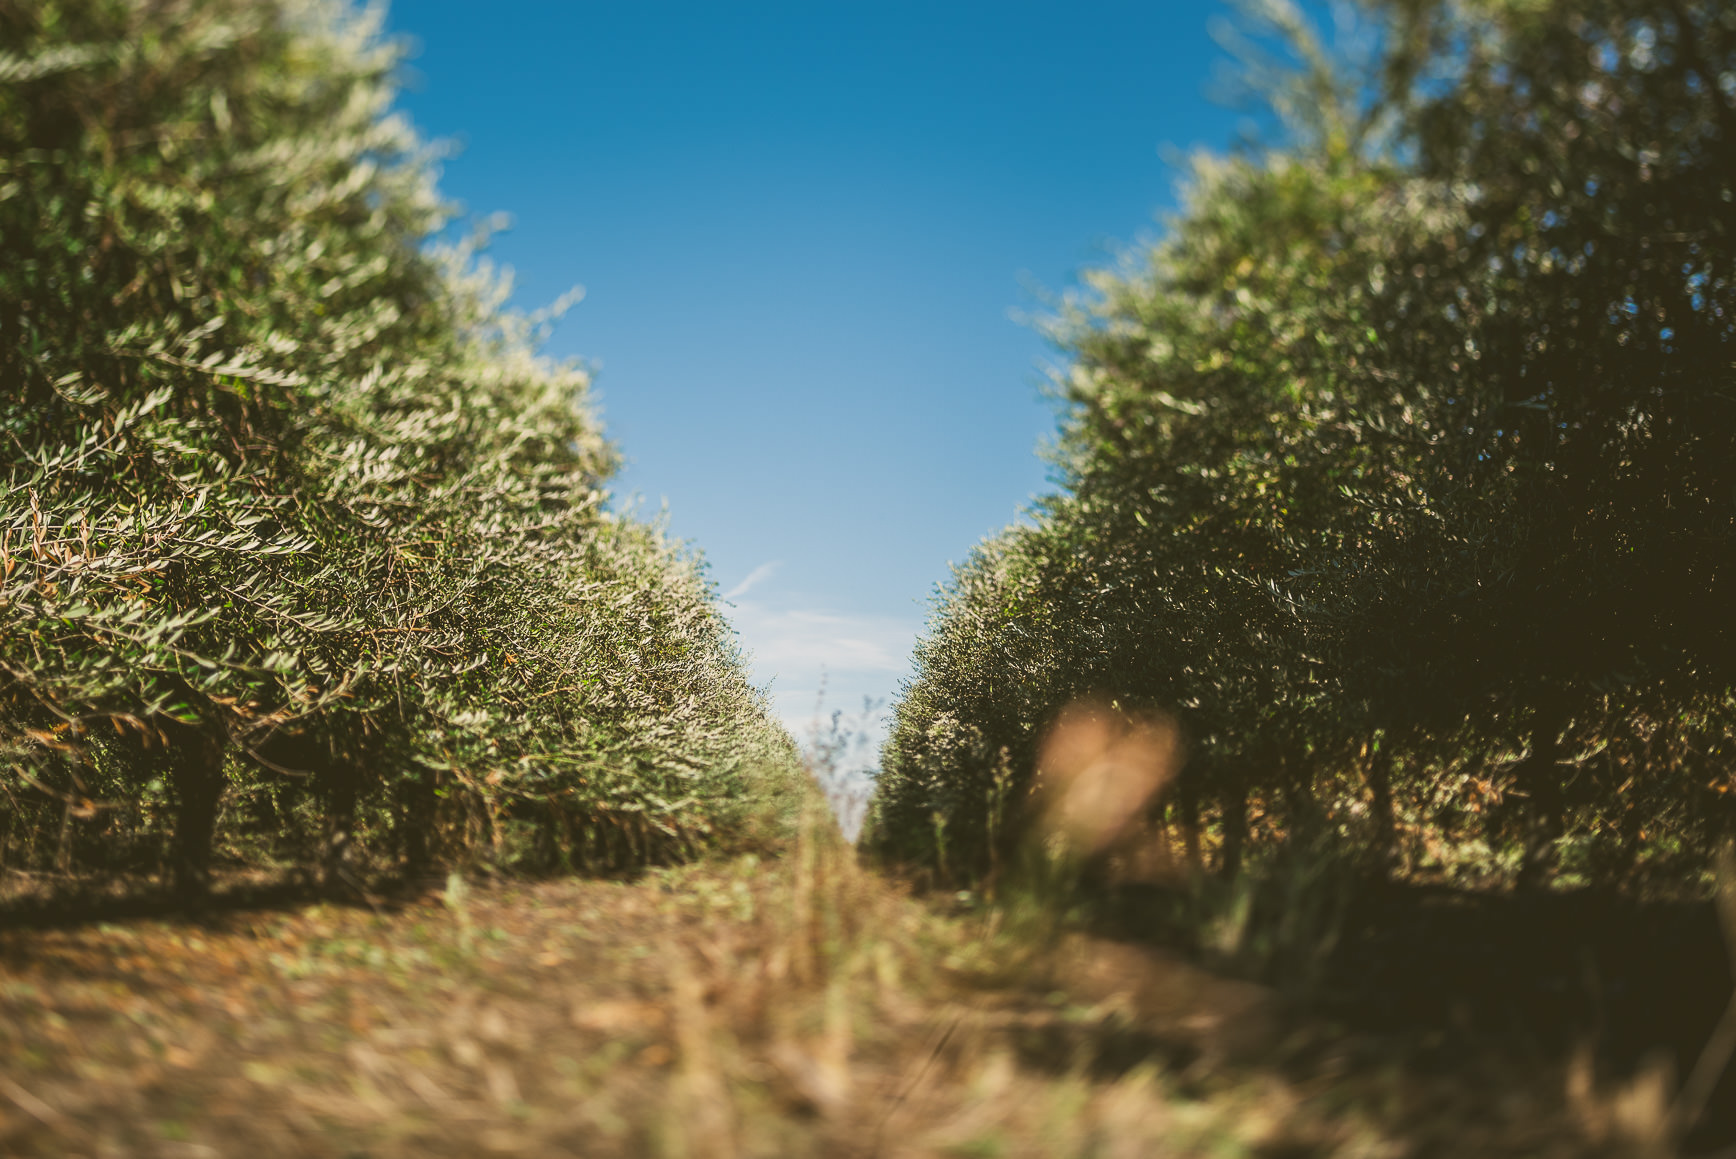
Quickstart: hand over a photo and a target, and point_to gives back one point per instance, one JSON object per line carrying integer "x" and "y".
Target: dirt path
{"x": 735, "y": 1009}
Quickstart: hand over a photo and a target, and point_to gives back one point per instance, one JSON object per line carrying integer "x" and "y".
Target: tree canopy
{"x": 291, "y": 503}
{"x": 1400, "y": 469}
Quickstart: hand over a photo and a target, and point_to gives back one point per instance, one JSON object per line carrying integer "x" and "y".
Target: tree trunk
{"x": 1234, "y": 800}
{"x": 417, "y": 813}
{"x": 195, "y": 760}
{"x": 1301, "y": 810}
{"x": 1187, "y": 802}
{"x": 340, "y": 821}
{"x": 1380, "y": 790}
{"x": 1539, "y": 774}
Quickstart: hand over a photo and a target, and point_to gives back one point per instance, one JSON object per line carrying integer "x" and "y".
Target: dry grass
{"x": 745, "y": 1008}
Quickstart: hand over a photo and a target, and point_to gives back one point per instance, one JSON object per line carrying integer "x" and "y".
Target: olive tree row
{"x": 291, "y": 500}
{"x": 1402, "y": 470}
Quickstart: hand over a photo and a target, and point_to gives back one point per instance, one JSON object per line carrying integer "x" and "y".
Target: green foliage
{"x": 1403, "y": 469}
{"x": 289, "y": 494}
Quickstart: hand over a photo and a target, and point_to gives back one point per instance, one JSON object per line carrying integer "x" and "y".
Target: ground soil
{"x": 733, "y": 1009}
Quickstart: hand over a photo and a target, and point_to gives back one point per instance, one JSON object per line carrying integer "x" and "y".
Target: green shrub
{"x": 290, "y": 498}
{"x": 1402, "y": 470}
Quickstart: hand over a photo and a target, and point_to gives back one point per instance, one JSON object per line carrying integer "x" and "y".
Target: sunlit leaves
{"x": 1413, "y": 434}
{"x": 275, "y": 463}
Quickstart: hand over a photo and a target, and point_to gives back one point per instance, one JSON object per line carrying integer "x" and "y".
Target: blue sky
{"x": 804, "y": 231}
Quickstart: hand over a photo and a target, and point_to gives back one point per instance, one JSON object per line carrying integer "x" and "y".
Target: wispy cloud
{"x": 762, "y": 572}
{"x": 832, "y": 676}
{"x": 818, "y": 661}
{"x": 787, "y": 641}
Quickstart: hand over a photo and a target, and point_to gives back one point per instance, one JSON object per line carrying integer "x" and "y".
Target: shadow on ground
{"x": 1466, "y": 984}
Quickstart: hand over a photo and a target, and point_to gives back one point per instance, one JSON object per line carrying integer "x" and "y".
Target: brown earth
{"x": 789, "y": 1007}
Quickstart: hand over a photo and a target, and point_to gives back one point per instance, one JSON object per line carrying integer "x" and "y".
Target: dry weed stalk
{"x": 705, "y": 1113}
